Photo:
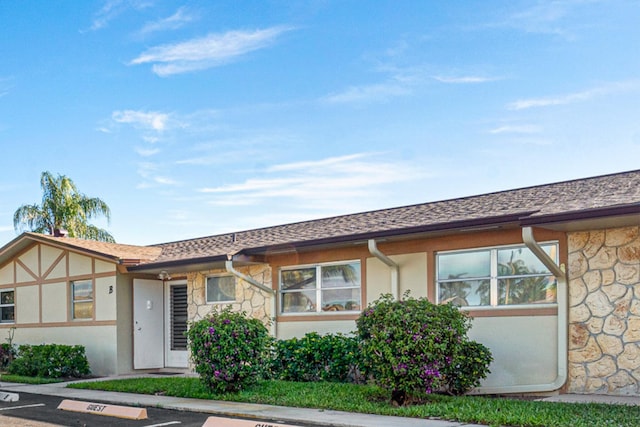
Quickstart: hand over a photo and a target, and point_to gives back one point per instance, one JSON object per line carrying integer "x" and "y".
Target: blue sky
{"x": 192, "y": 118}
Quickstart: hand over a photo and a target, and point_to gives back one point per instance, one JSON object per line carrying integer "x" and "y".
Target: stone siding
{"x": 604, "y": 313}
{"x": 250, "y": 299}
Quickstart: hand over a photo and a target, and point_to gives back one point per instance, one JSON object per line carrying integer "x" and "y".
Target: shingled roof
{"x": 615, "y": 194}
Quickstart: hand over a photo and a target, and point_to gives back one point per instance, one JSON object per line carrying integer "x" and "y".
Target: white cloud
{"x": 572, "y": 98}
{"x": 144, "y": 119}
{"x": 147, "y": 152}
{"x": 112, "y": 9}
{"x": 330, "y": 182}
{"x": 173, "y": 22}
{"x": 518, "y": 129}
{"x": 465, "y": 79}
{"x": 206, "y": 52}
{"x": 375, "y": 92}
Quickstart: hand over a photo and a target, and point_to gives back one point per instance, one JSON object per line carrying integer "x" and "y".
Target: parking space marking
{"x": 170, "y": 423}
{"x": 130, "y": 412}
{"x": 22, "y": 406}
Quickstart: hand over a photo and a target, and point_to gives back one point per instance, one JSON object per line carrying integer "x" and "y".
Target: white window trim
{"x": 493, "y": 250}
{"x": 9, "y": 305}
{"x": 318, "y": 266}
{"x": 206, "y": 289}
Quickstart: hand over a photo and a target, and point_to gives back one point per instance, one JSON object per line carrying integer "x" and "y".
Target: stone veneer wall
{"x": 604, "y": 313}
{"x": 250, "y": 299}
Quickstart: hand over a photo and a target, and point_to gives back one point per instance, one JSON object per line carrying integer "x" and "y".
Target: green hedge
{"x": 50, "y": 361}
{"x": 315, "y": 357}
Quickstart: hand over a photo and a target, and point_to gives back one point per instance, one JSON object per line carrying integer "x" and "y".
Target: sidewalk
{"x": 243, "y": 410}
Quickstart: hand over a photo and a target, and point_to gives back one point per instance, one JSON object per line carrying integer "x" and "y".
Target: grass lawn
{"x": 372, "y": 400}
{"x": 29, "y": 380}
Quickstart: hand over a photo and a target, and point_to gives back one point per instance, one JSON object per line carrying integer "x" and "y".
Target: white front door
{"x": 176, "y": 354}
{"x": 148, "y": 324}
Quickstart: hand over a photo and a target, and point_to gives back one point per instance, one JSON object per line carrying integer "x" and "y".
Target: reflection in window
{"x": 82, "y": 299}
{"x": 221, "y": 289}
{"x": 320, "y": 288}
{"x": 496, "y": 276}
{"x": 7, "y": 306}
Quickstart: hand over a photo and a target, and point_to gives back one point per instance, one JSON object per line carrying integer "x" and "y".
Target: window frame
{"x": 2, "y": 291}
{"x": 206, "y": 288}
{"x": 494, "y": 277}
{"x": 319, "y": 289}
{"x": 74, "y": 300}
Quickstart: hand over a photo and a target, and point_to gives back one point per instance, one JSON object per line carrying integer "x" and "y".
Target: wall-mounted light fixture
{"x": 163, "y": 275}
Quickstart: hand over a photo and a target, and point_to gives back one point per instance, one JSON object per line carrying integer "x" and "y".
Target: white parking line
{"x": 23, "y": 406}
{"x": 170, "y": 423}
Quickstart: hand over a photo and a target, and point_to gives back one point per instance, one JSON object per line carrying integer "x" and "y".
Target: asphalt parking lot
{"x": 33, "y": 409}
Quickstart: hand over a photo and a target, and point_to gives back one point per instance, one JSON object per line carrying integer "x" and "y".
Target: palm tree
{"x": 63, "y": 208}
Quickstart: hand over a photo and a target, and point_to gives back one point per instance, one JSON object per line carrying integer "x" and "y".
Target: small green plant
{"x": 50, "y": 361}
{"x": 229, "y": 350}
{"x": 414, "y": 347}
{"x": 7, "y": 350}
{"x": 315, "y": 357}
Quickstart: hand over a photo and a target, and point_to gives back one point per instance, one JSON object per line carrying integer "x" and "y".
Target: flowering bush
{"x": 315, "y": 357}
{"x": 229, "y": 350}
{"x": 412, "y": 347}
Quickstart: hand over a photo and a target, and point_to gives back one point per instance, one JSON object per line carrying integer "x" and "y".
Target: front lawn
{"x": 372, "y": 400}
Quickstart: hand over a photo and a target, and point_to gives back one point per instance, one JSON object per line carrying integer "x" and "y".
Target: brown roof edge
{"x": 176, "y": 263}
{"x": 447, "y": 226}
{"x": 584, "y": 214}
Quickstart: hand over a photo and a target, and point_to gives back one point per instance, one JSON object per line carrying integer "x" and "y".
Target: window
{"x": 221, "y": 289}
{"x": 320, "y": 288}
{"x": 82, "y": 299}
{"x": 7, "y": 306}
{"x": 502, "y": 276}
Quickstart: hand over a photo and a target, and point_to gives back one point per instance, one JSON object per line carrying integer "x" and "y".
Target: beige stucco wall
{"x": 604, "y": 314}
{"x": 99, "y": 343}
{"x": 27, "y": 304}
{"x": 524, "y": 348}
{"x": 250, "y": 299}
{"x": 40, "y": 276}
{"x": 54, "y": 302}
{"x": 412, "y": 276}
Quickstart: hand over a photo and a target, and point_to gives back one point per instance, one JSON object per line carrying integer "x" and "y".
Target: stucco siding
{"x": 79, "y": 265}
{"x": 412, "y": 277}
{"x": 27, "y": 304}
{"x": 54, "y": 302}
{"x": 524, "y": 349}
{"x": 99, "y": 343}
{"x": 105, "y": 298}
{"x": 6, "y": 274}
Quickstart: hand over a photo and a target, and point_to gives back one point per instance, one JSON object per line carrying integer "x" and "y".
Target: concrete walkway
{"x": 235, "y": 409}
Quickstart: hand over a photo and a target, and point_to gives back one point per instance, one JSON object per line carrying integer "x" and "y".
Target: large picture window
{"x": 320, "y": 288}
{"x": 82, "y": 299}
{"x": 501, "y": 276}
{"x": 7, "y": 306}
{"x": 221, "y": 289}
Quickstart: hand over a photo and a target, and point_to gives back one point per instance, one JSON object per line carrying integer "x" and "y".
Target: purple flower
{"x": 226, "y": 321}
{"x": 212, "y": 330}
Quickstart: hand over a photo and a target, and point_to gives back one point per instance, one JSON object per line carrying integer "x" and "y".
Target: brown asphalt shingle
{"x": 622, "y": 189}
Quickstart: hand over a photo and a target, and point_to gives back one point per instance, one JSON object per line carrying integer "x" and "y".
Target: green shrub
{"x": 50, "y": 361}
{"x": 315, "y": 357}
{"x": 229, "y": 350}
{"x": 7, "y": 354}
{"x": 412, "y": 347}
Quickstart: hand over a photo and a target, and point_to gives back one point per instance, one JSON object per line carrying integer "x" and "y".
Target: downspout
{"x": 561, "y": 297}
{"x": 395, "y": 268}
{"x": 228, "y": 265}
